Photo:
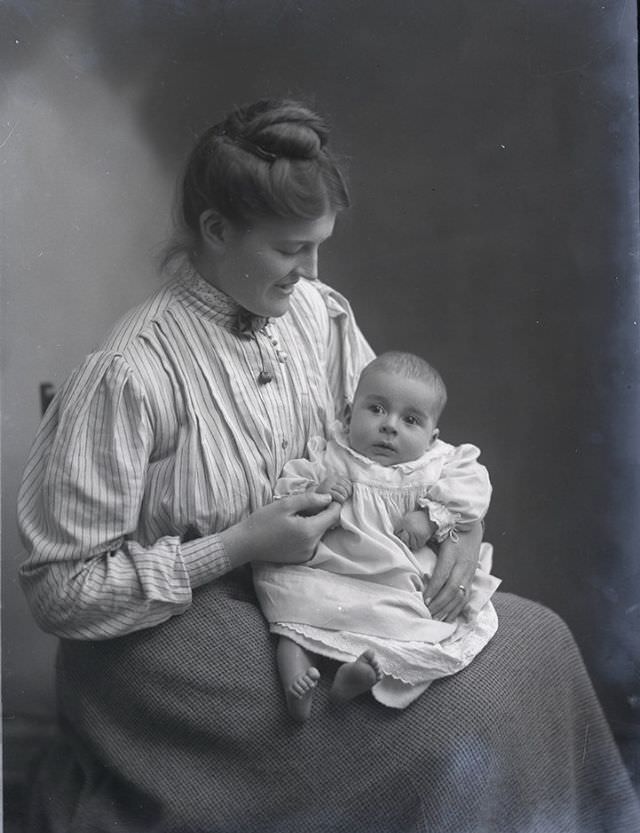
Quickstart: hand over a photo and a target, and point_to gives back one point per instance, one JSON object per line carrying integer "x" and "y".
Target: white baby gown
{"x": 363, "y": 588}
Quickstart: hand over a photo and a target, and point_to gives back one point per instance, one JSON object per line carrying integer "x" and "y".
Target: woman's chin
{"x": 278, "y": 307}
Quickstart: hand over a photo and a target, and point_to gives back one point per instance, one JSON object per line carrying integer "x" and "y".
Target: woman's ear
{"x": 213, "y": 228}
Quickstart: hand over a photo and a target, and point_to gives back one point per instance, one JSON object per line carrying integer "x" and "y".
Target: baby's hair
{"x": 412, "y": 367}
{"x": 265, "y": 160}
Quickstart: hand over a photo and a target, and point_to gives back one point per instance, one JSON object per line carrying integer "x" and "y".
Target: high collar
{"x": 215, "y": 303}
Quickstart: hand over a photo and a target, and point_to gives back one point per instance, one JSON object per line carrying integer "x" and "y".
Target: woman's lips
{"x": 287, "y": 287}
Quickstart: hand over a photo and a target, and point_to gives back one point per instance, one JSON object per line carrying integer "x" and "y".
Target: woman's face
{"x": 259, "y": 266}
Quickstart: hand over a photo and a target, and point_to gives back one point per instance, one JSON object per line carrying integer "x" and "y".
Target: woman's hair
{"x": 268, "y": 159}
{"x": 412, "y": 367}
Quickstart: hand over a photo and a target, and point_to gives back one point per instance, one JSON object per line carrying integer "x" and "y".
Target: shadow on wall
{"x": 489, "y": 147}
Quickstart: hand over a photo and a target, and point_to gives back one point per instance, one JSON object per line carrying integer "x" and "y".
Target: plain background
{"x": 492, "y": 153}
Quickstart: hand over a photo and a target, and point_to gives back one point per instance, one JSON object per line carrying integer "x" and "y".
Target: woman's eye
{"x": 290, "y": 252}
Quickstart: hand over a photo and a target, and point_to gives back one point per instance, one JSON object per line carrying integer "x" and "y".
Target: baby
{"x": 360, "y": 599}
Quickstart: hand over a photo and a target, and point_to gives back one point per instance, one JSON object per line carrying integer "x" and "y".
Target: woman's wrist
{"x": 236, "y": 543}
{"x": 471, "y": 531}
{"x": 467, "y": 539}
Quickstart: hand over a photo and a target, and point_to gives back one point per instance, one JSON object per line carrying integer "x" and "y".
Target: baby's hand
{"x": 338, "y": 487}
{"x": 415, "y": 529}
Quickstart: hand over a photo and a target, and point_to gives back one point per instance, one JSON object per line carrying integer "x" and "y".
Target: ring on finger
{"x": 462, "y": 589}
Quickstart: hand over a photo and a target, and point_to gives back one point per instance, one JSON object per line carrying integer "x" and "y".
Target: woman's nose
{"x": 308, "y": 265}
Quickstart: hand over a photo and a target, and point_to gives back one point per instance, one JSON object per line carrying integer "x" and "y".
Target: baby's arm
{"x": 460, "y": 497}
{"x": 313, "y": 475}
{"x": 416, "y": 529}
{"x": 303, "y": 474}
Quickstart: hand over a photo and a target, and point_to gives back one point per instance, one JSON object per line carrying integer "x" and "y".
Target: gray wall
{"x": 492, "y": 150}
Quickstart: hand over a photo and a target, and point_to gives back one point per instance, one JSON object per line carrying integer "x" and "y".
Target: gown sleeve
{"x": 461, "y": 494}
{"x": 301, "y": 474}
{"x": 86, "y": 577}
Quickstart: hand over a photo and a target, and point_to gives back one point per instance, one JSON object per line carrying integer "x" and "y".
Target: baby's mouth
{"x": 384, "y": 446}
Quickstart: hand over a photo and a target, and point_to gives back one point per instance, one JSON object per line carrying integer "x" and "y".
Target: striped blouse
{"x": 166, "y": 431}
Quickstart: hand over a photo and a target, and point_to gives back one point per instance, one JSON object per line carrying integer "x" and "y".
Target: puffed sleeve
{"x": 85, "y": 576}
{"x": 301, "y": 474}
{"x": 348, "y": 350}
{"x": 461, "y": 494}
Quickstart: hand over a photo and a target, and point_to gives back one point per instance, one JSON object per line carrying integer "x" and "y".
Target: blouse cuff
{"x": 444, "y": 519}
{"x": 205, "y": 559}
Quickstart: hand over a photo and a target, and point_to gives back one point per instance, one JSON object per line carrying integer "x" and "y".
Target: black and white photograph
{"x": 320, "y": 400}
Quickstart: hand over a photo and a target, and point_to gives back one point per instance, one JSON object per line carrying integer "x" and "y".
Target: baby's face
{"x": 391, "y": 420}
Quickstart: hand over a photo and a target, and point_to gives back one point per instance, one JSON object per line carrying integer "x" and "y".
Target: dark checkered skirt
{"x": 182, "y": 729}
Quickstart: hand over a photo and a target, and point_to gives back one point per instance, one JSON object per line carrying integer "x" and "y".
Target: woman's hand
{"x": 455, "y": 568}
{"x": 285, "y": 531}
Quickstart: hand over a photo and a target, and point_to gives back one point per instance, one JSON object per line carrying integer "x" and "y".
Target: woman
{"x": 147, "y": 495}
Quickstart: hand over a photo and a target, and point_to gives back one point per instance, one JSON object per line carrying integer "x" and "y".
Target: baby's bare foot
{"x": 354, "y": 678}
{"x": 299, "y": 694}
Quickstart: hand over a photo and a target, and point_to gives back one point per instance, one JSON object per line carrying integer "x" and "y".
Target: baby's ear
{"x": 435, "y": 435}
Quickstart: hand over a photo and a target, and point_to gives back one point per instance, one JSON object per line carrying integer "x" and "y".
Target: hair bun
{"x": 268, "y": 159}
{"x": 281, "y": 127}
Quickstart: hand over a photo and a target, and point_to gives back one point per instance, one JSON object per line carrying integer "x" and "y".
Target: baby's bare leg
{"x": 298, "y": 676}
{"x": 354, "y": 678}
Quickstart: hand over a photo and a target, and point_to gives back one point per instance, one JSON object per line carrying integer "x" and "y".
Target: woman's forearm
{"x": 120, "y": 591}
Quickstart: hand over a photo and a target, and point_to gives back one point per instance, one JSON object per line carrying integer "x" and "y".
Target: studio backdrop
{"x": 492, "y": 155}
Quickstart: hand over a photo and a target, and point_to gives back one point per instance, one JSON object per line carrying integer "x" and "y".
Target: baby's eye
{"x": 376, "y": 409}
{"x": 411, "y": 420}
